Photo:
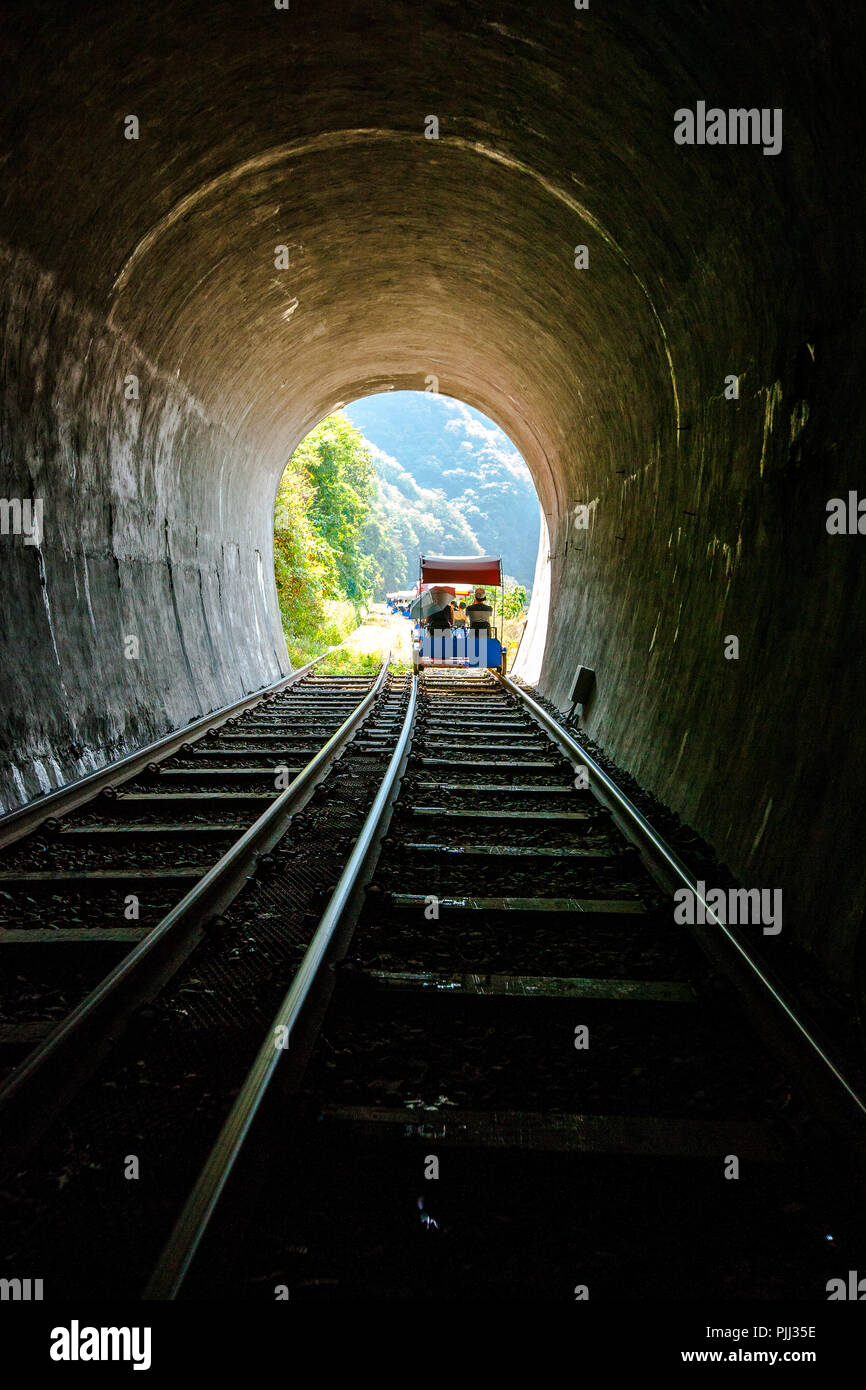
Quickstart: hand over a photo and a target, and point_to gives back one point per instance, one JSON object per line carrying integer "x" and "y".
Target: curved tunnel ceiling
{"x": 392, "y": 293}
{"x": 452, "y": 257}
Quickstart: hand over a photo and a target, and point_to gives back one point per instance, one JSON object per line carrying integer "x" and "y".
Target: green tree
{"x": 338, "y": 464}
{"x": 512, "y": 601}
{"x": 325, "y": 573}
{"x": 305, "y": 569}
{"x": 387, "y": 550}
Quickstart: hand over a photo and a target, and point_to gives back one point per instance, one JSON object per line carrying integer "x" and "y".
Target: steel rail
{"x": 48, "y": 1077}
{"x": 184, "y": 1240}
{"x": 807, "y": 1049}
{"x": 23, "y": 820}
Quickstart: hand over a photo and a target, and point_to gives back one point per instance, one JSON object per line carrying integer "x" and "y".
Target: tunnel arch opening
{"x": 385, "y": 478}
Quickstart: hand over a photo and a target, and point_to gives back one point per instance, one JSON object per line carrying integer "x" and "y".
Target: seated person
{"x": 479, "y": 613}
{"x": 460, "y": 619}
{"x": 441, "y": 618}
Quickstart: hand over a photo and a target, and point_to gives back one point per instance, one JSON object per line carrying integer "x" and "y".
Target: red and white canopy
{"x": 461, "y": 569}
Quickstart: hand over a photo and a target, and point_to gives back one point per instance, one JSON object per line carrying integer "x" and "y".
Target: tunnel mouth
{"x": 425, "y": 473}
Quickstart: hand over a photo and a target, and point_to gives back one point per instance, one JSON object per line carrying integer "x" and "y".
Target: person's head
{"x": 480, "y": 595}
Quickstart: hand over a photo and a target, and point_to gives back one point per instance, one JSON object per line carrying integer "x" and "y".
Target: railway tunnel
{"x": 218, "y": 223}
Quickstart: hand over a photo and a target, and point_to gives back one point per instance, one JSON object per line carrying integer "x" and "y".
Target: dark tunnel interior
{"x": 153, "y": 258}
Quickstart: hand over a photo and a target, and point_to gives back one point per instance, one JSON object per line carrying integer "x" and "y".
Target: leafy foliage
{"x": 511, "y": 601}
{"x": 324, "y": 572}
{"x": 337, "y": 462}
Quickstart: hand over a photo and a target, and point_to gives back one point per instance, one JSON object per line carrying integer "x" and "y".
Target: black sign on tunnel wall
{"x": 584, "y": 680}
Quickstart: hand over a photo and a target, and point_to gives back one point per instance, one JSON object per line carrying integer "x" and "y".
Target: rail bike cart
{"x": 401, "y": 600}
{"x": 446, "y": 576}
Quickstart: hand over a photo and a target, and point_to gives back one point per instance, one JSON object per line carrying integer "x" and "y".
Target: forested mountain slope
{"x": 449, "y": 480}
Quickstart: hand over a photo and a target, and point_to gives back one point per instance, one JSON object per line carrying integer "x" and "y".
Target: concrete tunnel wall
{"x": 410, "y": 256}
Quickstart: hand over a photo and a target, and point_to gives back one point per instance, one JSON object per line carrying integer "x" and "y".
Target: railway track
{"x": 502, "y": 1070}
{"x": 102, "y": 900}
